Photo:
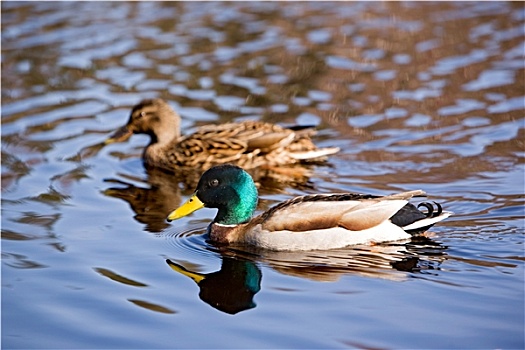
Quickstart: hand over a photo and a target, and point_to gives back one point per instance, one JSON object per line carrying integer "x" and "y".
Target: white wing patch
{"x": 318, "y": 153}
{"x": 427, "y": 221}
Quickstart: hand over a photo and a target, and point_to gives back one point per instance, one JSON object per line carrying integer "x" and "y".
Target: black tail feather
{"x": 430, "y": 213}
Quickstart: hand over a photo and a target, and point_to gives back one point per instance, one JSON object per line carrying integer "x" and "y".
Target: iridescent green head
{"x": 226, "y": 187}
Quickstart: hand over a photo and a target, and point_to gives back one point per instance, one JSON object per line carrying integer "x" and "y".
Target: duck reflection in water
{"x": 391, "y": 261}
{"x": 231, "y": 289}
{"x": 151, "y": 203}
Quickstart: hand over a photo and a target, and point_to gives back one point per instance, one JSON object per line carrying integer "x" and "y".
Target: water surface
{"x": 417, "y": 95}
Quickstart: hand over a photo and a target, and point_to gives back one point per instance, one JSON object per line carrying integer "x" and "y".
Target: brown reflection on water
{"x": 150, "y": 204}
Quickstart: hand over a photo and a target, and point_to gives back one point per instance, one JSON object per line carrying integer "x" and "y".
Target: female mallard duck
{"x": 249, "y": 144}
{"x": 323, "y": 221}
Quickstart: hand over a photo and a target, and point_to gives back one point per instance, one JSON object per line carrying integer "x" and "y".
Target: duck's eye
{"x": 214, "y": 183}
{"x": 139, "y": 115}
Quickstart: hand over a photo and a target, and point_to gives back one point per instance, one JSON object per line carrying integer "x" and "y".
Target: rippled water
{"x": 417, "y": 95}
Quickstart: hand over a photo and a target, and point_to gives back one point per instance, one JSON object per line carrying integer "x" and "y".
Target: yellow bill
{"x": 191, "y": 205}
{"x": 197, "y": 277}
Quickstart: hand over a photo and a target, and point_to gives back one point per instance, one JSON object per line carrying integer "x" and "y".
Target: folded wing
{"x": 349, "y": 211}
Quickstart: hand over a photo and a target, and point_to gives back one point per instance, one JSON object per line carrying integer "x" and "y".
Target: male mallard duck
{"x": 249, "y": 144}
{"x": 322, "y": 221}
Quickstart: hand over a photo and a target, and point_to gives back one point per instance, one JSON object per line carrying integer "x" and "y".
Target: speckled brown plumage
{"x": 249, "y": 144}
